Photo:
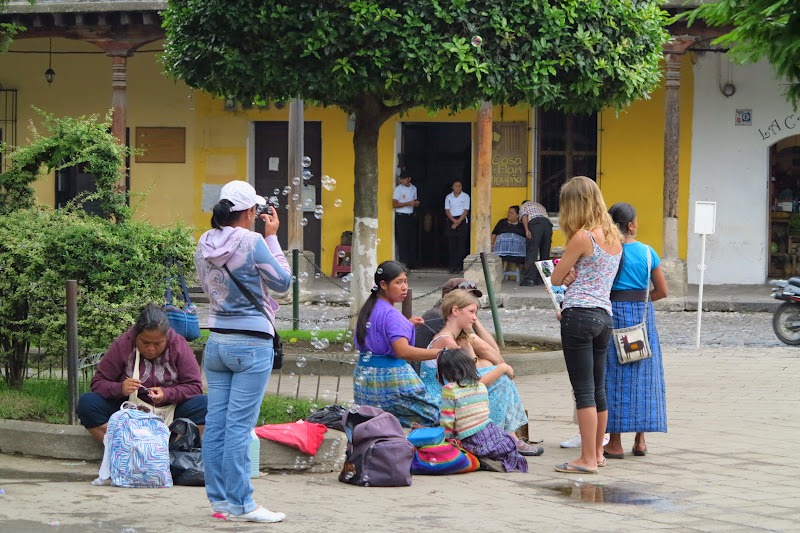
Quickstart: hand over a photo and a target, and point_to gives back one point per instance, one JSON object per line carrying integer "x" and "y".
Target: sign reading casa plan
{"x": 509, "y": 154}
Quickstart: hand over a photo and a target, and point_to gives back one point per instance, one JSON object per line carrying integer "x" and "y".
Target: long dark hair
{"x": 622, "y": 214}
{"x": 152, "y": 317}
{"x": 387, "y": 271}
{"x": 223, "y": 216}
{"x": 455, "y": 365}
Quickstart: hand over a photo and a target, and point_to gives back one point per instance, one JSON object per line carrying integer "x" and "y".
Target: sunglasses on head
{"x": 467, "y": 285}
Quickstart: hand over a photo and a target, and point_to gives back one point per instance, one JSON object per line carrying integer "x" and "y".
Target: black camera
{"x": 262, "y": 209}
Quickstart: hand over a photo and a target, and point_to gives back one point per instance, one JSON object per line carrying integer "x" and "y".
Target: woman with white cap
{"x": 232, "y": 260}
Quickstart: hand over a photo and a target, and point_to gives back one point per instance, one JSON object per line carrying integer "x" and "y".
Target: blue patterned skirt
{"x": 636, "y": 392}
{"x": 394, "y": 387}
{"x": 505, "y": 406}
{"x": 493, "y": 443}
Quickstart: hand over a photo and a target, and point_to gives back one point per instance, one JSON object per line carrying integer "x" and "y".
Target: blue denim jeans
{"x": 584, "y": 339}
{"x": 237, "y": 369}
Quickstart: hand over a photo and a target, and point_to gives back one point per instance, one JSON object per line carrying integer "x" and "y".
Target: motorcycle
{"x": 786, "y": 320}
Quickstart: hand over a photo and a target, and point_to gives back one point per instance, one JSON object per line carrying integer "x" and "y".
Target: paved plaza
{"x": 728, "y": 463}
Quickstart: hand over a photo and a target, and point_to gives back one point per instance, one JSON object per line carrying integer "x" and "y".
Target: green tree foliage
{"x": 375, "y": 58}
{"x": 761, "y": 29}
{"x": 119, "y": 264}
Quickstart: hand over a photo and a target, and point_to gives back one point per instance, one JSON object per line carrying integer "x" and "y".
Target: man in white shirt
{"x": 404, "y": 200}
{"x": 456, "y": 207}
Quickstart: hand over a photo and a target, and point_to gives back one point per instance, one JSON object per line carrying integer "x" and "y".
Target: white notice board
{"x": 705, "y": 217}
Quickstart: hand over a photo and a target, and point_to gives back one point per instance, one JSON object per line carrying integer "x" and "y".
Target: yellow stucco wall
{"x": 630, "y": 152}
{"x": 631, "y": 160}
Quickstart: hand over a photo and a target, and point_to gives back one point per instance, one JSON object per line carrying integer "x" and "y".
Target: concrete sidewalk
{"x": 728, "y": 463}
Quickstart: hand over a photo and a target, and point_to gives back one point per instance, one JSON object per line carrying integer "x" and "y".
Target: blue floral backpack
{"x": 139, "y": 449}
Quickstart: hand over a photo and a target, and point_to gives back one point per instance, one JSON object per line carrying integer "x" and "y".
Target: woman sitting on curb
{"x": 168, "y": 374}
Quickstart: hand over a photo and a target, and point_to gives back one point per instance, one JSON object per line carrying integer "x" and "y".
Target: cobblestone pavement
{"x": 675, "y": 328}
{"x": 728, "y": 463}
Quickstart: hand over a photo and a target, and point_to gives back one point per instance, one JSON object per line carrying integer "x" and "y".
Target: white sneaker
{"x": 575, "y": 442}
{"x": 259, "y": 514}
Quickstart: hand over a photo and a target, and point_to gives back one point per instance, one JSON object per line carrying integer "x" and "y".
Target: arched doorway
{"x": 784, "y": 208}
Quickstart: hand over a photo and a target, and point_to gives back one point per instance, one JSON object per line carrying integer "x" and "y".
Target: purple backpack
{"x": 378, "y": 452}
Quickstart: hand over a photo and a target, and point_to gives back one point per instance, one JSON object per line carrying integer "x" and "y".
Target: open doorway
{"x": 434, "y": 154}
{"x": 784, "y": 208}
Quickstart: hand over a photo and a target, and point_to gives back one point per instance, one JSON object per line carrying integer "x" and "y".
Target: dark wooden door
{"x": 272, "y": 142}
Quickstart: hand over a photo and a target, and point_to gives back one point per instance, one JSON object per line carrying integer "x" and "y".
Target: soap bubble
{"x": 347, "y": 346}
{"x": 301, "y": 362}
{"x": 306, "y": 162}
{"x": 298, "y": 207}
{"x": 347, "y": 278}
{"x": 377, "y": 241}
{"x": 307, "y": 202}
{"x": 342, "y": 253}
{"x": 307, "y": 175}
{"x": 477, "y": 41}
{"x": 296, "y": 180}
{"x": 328, "y": 182}
{"x": 289, "y": 409}
{"x": 318, "y": 215}
{"x": 337, "y": 202}
{"x": 380, "y": 271}
{"x": 295, "y": 197}
{"x": 303, "y": 276}
{"x": 276, "y": 192}
{"x": 286, "y": 190}
{"x": 317, "y": 275}
{"x": 273, "y": 200}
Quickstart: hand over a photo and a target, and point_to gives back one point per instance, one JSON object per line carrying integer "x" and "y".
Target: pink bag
{"x": 305, "y": 436}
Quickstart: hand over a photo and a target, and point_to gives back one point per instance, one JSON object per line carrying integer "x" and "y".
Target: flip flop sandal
{"x": 613, "y": 455}
{"x": 603, "y": 463}
{"x": 639, "y": 453}
{"x": 567, "y": 468}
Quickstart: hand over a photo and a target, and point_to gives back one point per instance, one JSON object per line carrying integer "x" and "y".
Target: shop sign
{"x": 789, "y": 122}
{"x": 744, "y": 117}
{"x": 509, "y": 154}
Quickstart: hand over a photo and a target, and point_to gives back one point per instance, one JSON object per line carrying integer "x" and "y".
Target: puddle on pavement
{"x": 602, "y": 493}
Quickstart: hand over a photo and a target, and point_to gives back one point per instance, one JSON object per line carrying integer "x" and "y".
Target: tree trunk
{"x": 671, "y": 151}
{"x": 364, "y": 257}
{"x": 17, "y": 351}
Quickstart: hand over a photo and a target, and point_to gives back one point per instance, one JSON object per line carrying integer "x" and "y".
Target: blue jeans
{"x": 94, "y": 410}
{"x": 584, "y": 338}
{"x": 237, "y": 370}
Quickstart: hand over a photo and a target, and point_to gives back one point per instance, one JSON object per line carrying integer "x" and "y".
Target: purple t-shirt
{"x": 387, "y": 324}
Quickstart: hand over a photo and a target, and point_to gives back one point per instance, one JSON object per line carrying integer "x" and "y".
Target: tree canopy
{"x": 575, "y": 55}
{"x": 761, "y": 29}
{"x": 376, "y": 58}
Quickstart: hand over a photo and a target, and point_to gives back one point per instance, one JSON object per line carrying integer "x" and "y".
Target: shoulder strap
{"x": 250, "y": 297}
{"x": 647, "y": 285}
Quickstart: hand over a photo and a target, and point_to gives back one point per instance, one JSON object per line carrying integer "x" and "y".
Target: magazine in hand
{"x": 556, "y": 291}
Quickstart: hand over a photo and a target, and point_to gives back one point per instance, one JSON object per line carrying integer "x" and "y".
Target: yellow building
{"x": 197, "y": 142}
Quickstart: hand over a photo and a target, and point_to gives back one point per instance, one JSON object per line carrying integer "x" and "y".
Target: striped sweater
{"x": 465, "y": 409}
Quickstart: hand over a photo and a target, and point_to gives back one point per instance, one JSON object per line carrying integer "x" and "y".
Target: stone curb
{"x": 74, "y": 443}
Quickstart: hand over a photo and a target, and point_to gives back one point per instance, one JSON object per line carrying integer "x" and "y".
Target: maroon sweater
{"x": 176, "y": 370}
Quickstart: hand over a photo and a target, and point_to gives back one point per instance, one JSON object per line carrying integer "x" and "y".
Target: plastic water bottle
{"x": 254, "y": 450}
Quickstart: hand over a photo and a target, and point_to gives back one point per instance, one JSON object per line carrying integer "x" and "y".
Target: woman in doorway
{"x": 385, "y": 340}
{"x": 588, "y": 266}
{"x": 636, "y": 392}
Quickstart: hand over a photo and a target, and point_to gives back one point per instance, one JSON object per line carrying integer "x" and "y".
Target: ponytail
{"x": 223, "y": 216}
{"x": 363, "y": 317}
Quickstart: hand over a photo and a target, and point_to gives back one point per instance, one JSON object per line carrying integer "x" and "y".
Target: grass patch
{"x": 39, "y": 400}
{"x": 45, "y": 400}
{"x": 282, "y": 409}
{"x": 303, "y": 335}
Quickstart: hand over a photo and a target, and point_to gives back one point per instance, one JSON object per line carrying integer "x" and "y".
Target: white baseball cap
{"x": 241, "y": 194}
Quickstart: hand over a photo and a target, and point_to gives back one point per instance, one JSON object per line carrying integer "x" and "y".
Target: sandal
{"x": 529, "y": 449}
{"x": 567, "y": 468}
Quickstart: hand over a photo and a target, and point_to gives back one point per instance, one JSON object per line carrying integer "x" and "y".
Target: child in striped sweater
{"x": 465, "y": 414}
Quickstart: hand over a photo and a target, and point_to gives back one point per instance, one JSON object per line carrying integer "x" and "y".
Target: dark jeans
{"x": 404, "y": 236}
{"x": 584, "y": 338}
{"x": 94, "y": 410}
{"x": 457, "y": 245}
{"x": 537, "y": 248}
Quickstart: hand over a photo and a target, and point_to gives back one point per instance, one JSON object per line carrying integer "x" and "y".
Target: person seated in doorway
{"x": 539, "y": 234}
{"x": 168, "y": 373}
{"x": 508, "y": 238}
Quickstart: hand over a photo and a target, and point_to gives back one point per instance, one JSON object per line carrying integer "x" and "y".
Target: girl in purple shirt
{"x": 385, "y": 340}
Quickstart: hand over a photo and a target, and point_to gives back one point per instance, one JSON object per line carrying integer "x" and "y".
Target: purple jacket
{"x": 176, "y": 370}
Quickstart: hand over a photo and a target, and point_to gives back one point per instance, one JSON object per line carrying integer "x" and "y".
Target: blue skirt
{"x": 636, "y": 392}
{"x": 395, "y": 389}
{"x": 505, "y": 406}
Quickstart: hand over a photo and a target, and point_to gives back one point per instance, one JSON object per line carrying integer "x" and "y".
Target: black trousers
{"x": 405, "y": 238}
{"x": 584, "y": 338}
{"x": 537, "y": 248}
{"x": 457, "y": 245}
